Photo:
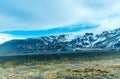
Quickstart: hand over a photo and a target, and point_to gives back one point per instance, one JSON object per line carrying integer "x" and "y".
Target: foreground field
{"x": 102, "y": 69}
{"x": 86, "y": 65}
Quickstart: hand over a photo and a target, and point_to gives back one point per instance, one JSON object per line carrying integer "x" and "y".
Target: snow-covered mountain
{"x": 63, "y": 43}
{"x": 108, "y": 39}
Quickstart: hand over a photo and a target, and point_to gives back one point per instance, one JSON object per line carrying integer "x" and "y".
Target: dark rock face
{"x": 62, "y": 43}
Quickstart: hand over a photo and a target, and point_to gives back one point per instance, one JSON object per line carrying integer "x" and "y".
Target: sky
{"x": 47, "y": 14}
{"x": 63, "y": 15}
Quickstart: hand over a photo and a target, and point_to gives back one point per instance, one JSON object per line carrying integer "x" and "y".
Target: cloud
{"x": 45, "y": 14}
{"x": 7, "y": 37}
{"x": 103, "y": 12}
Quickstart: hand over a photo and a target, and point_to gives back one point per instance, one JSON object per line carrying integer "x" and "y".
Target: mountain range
{"x": 107, "y": 40}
